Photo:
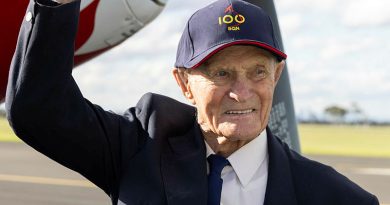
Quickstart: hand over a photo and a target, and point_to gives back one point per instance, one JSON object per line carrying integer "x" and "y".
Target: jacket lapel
{"x": 183, "y": 167}
{"x": 185, "y": 178}
{"x": 280, "y": 187}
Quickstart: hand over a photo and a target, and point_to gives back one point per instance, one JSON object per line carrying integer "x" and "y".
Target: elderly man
{"x": 218, "y": 151}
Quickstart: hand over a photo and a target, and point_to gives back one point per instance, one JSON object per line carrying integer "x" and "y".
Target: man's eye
{"x": 221, "y": 77}
{"x": 221, "y": 73}
{"x": 260, "y": 73}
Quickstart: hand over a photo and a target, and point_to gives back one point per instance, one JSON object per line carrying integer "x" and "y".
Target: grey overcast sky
{"x": 337, "y": 54}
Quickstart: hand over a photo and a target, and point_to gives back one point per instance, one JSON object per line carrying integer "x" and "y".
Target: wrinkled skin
{"x": 233, "y": 92}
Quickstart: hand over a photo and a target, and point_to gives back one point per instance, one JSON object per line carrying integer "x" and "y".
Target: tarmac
{"x": 28, "y": 177}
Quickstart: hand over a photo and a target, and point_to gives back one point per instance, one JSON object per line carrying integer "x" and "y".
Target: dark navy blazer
{"x": 155, "y": 152}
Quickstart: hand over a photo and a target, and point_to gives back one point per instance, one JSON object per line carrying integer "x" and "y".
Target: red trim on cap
{"x": 262, "y": 45}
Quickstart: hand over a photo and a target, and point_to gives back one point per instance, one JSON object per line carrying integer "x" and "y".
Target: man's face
{"x": 233, "y": 91}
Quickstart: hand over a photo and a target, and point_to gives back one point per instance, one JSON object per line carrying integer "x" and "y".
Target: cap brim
{"x": 201, "y": 58}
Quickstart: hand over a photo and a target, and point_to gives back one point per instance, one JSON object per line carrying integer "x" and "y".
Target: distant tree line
{"x": 336, "y": 114}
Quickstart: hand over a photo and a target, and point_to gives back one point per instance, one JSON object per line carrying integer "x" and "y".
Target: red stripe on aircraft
{"x": 12, "y": 15}
{"x": 86, "y": 24}
{"x": 79, "y": 59}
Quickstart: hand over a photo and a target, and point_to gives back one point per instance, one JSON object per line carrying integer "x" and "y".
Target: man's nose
{"x": 241, "y": 90}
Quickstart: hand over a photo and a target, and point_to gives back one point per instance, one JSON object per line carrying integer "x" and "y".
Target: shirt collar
{"x": 246, "y": 160}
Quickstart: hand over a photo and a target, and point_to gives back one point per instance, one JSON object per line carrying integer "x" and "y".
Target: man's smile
{"x": 239, "y": 112}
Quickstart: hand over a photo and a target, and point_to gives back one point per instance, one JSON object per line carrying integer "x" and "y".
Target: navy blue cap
{"x": 222, "y": 24}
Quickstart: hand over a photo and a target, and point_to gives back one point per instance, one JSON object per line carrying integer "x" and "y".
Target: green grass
{"x": 365, "y": 141}
{"x": 6, "y": 133}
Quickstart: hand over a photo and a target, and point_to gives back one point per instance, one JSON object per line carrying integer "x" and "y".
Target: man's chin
{"x": 239, "y": 136}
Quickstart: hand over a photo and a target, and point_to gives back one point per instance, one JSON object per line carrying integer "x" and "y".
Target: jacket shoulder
{"x": 161, "y": 114}
{"x": 316, "y": 183}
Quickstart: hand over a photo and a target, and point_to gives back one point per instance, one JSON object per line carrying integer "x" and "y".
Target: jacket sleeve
{"x": 374, "y": 200}
{"x": 47, "y": 110}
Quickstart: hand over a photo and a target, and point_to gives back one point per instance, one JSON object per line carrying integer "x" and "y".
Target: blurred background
{"x": 339, "y": 74}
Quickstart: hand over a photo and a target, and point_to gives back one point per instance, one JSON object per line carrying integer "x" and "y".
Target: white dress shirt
{"x": 245, "y": 181}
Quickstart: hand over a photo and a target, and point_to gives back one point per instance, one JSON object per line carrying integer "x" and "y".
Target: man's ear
{"x": 278, "y": 70}
{"x": 181, "y": 78}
